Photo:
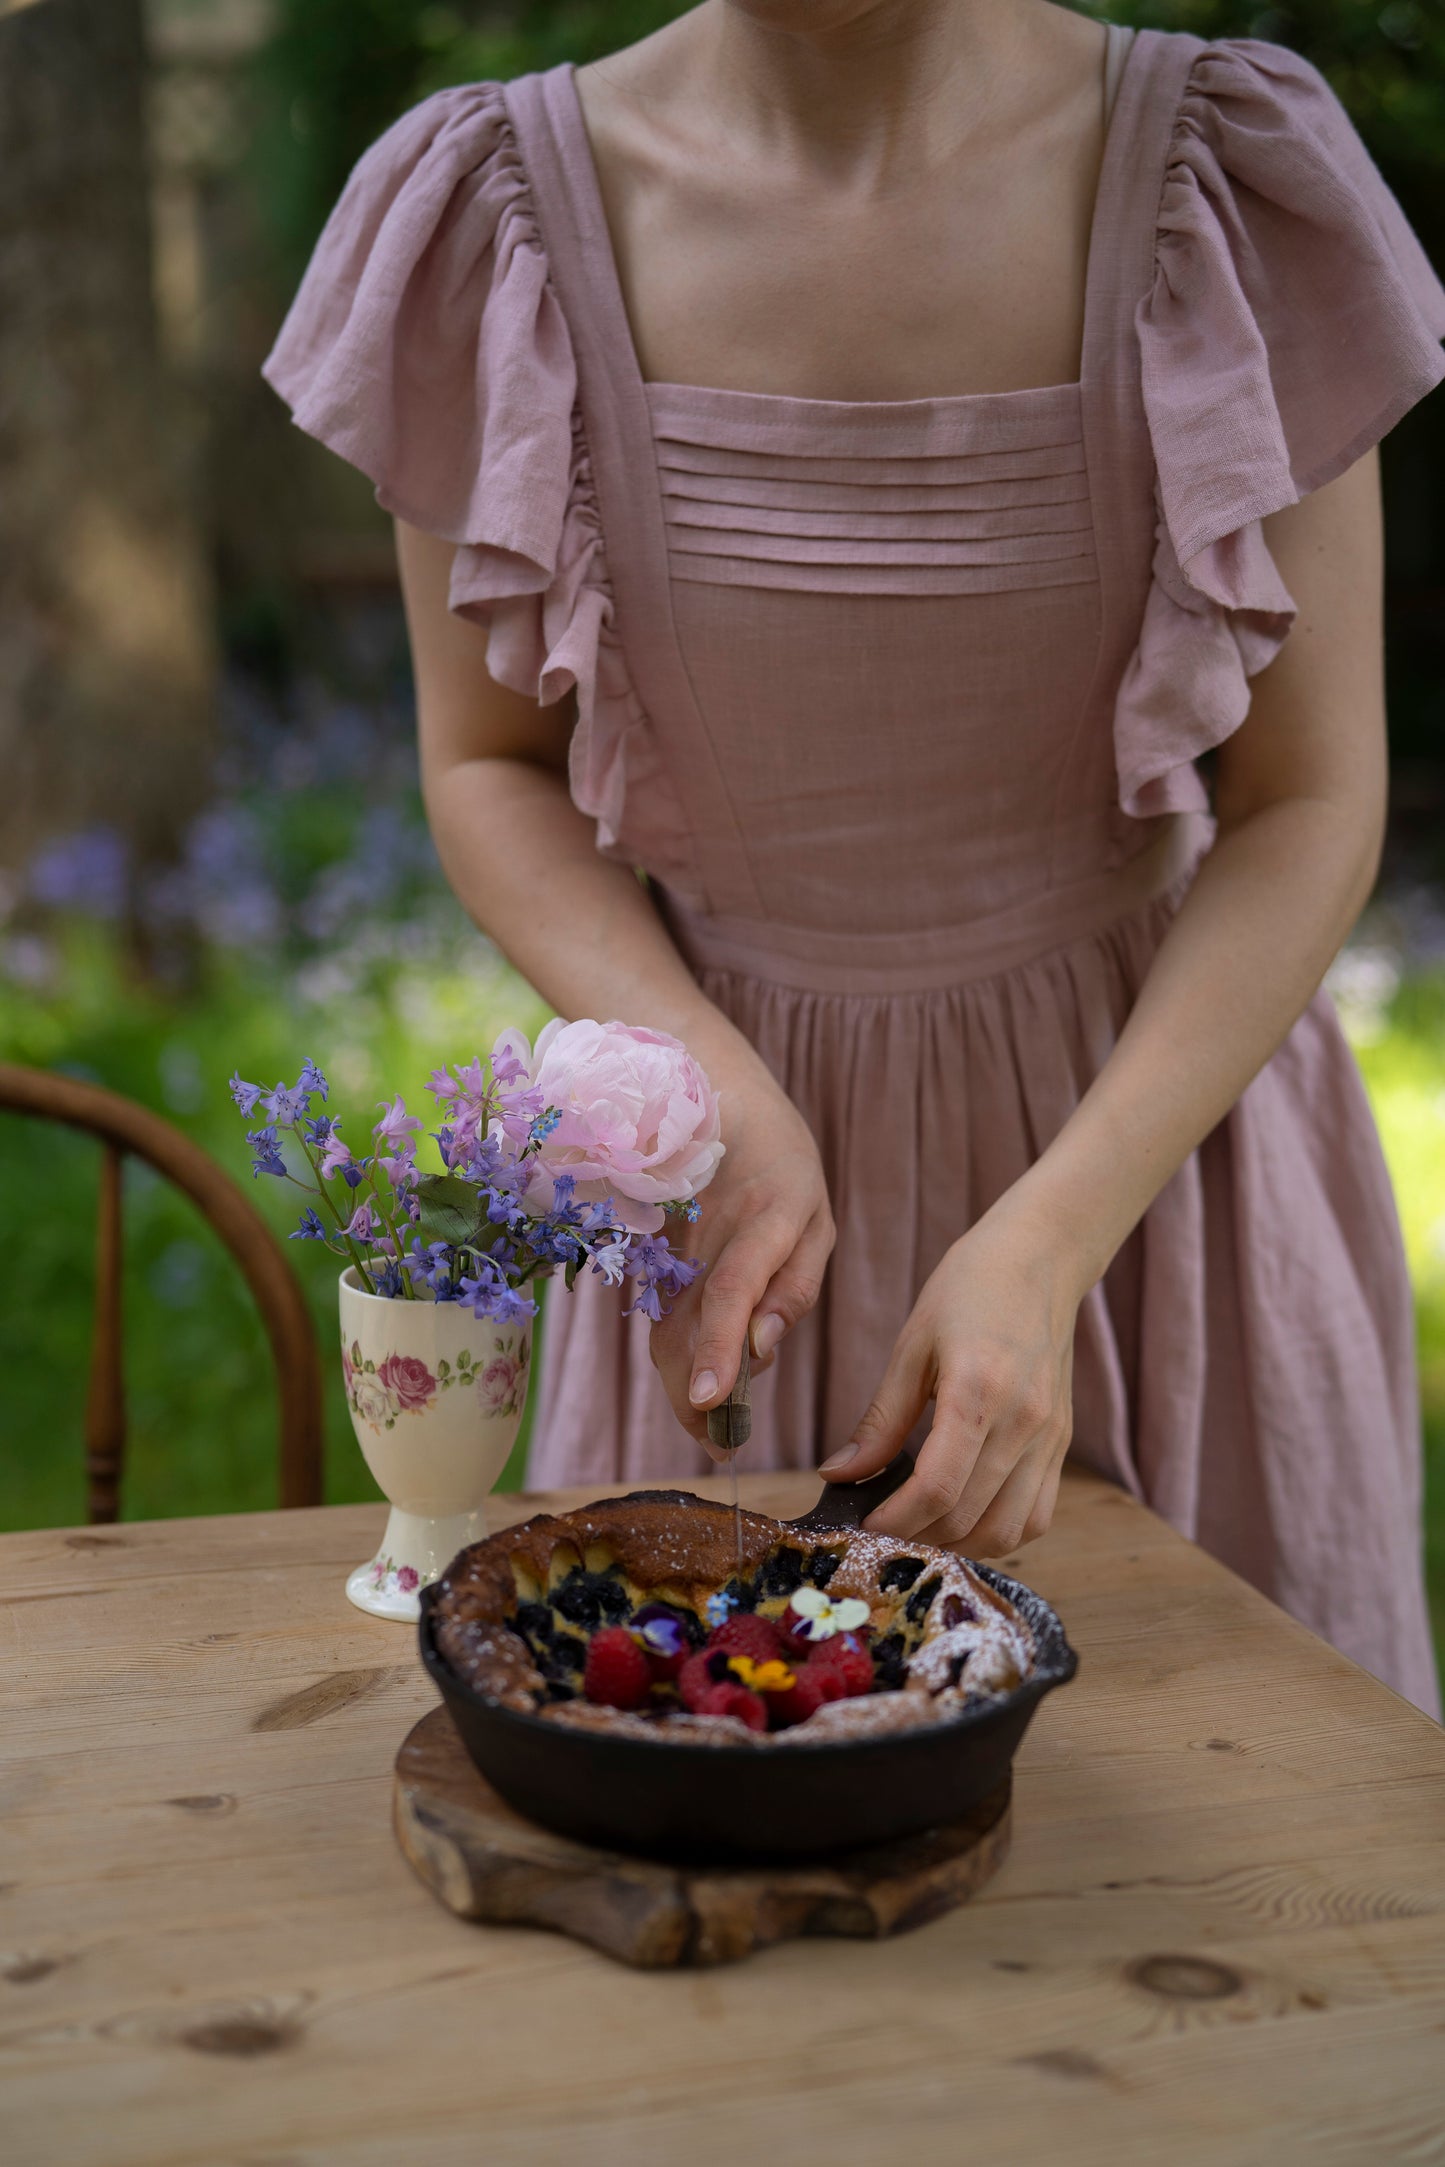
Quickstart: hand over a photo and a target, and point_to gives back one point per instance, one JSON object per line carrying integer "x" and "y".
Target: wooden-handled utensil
{"x": 731, "y": 1424}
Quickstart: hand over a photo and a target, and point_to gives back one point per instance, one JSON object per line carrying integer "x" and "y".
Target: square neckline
{"x": 720, "y": 399}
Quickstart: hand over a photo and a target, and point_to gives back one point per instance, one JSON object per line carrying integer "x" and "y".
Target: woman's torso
{"x": 885, "y": 614}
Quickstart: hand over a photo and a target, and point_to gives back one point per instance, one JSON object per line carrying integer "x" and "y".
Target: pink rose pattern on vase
{"x": 380, "y": 1393}
{"x": 502, "y": 1385}
{"x": 389, "y": 1579}
{"x": 409, "y": 1381}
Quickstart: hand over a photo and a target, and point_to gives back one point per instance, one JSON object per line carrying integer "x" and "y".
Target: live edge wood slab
{"x": 1218, "y": 1939}
{"x": 485, "y": 1862}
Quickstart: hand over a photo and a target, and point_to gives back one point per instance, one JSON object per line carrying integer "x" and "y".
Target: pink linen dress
{"x": 899, "y": 705}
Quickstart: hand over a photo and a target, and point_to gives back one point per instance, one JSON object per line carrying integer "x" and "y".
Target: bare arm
{"x": 582, "y": 929}
{"x": 1300, "y": 802}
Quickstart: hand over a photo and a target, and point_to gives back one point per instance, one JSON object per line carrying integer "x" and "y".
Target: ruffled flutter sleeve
{"x": 1293, "y": 318}
{"x": 427, "y": 347}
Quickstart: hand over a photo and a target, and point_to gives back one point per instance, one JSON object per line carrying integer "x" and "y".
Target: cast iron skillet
{"x": 733, "y": 1802}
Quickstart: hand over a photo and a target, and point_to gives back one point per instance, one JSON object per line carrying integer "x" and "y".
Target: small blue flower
{"x": 286, "y": 1104}
{"x": 265, "y": 1152}
{"x": 310, "y": 1229}
{"x": 246, "y": 1096}
{"x": 318, "y": 1132}
{"x": 311, "y": 1079}
{"x": 717, "y": 1607}
{"x": 544, "y": 1124}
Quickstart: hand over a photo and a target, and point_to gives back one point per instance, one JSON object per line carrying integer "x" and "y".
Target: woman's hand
{"x": 991, "y": 1342}
{"x": 767, "y": 1232}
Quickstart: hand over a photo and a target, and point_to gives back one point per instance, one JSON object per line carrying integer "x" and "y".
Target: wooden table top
{"x": 1220, "y": 1937}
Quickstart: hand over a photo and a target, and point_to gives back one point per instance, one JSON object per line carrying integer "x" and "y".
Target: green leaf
{"x": 450, "y": 1210}
{"x": 464, "y": 1359}
{"x": 444, "y": 1368}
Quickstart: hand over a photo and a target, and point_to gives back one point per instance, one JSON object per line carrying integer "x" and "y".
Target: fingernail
{"x": 703, "y": 1386}
{"x": 766, "y": 1333}
{"x": 839, "y": 1459}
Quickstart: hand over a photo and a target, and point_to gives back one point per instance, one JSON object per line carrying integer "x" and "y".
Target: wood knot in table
{"x": 485, "y": 1862}
{"x": 1185, "y": 1978}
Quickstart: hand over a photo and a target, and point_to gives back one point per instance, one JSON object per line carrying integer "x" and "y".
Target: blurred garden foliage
{"x": 303, "y": 912}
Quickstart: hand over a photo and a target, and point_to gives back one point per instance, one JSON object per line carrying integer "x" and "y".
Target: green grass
{"x": 198, "y": 1372}
{"x": 202, "y": 1430}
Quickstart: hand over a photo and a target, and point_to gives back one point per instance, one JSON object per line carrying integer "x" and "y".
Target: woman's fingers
{"x": 947, "y": 1459}
{"x": 1001, "y": 1525}
{"x": 792, "y": 1291}
{"x": 900, "y": 1400}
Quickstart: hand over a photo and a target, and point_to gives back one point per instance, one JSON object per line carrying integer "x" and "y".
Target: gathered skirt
{"x": 1246, "y": 1365}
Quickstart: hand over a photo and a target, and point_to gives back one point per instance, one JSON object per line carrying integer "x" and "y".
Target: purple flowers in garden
{"x": 528, "y": 1187}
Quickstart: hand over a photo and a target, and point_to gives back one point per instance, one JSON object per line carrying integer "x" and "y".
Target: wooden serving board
{"x": 483, "y": 1861}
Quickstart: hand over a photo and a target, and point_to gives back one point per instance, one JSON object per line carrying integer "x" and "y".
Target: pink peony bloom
{"x": 639, "y": 1119}
{"x": 409, "y": 1381}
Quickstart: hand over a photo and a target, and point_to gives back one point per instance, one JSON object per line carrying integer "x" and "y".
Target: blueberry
{"x": 557, "y": 1690}
{"x": 612, "y": 1595}
{"x": 533, "y": 1621}
{"x": 782, "y": 1573}
{"x": 586, "y": 1598}
{"x": 899, "y": 1573}
{"x": 741, "y": 1594}
{"x": 822, "y": 1565}
{"x": 567, "y": 1650}
{"x": 920, "y": 1602}
{"x": 578, "y": 1604}
{"x": 957, "y": 1612}
{"x": 888, "y": 1663}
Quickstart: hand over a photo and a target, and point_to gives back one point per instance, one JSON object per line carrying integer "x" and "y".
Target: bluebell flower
{"x": 318, "y": 1132}
{"x": 311, "y": 1079}
{"x": 310, "y": 1229}
{"x": 659, "y": 1274}
{"x": 246, "y": 1096}
{"x": 286, "y": 1104}
{"x": 265, "y": 1152}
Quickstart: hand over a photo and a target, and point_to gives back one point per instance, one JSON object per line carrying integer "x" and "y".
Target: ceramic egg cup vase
{"x": 436, "y": 1399}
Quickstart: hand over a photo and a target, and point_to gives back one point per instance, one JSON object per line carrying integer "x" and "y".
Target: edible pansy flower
{"x": 660, "y": 1633}
{"x": 770, "y": 1677}
{"x": 824, "y": 1615}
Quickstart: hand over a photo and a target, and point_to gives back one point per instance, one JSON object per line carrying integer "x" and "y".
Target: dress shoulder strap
{"x": 1118, "y": 37}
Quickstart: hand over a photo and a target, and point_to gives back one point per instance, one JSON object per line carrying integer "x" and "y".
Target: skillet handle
{"x": 845, "y": 1504}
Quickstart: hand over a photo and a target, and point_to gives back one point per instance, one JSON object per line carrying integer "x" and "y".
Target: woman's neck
{"x": 866, "y": 93}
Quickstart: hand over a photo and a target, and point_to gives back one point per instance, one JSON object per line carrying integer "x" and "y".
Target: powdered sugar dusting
{"x": 942, "y": 1638}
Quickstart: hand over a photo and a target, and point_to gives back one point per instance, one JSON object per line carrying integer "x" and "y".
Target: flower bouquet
{"x": 555, "y": 1160}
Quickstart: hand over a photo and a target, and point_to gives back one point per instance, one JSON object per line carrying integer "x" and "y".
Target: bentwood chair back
{"x": 124, "y": 1127}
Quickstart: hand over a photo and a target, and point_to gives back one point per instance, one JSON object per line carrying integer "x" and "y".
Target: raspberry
{"x": 745, "y": 1633}
{"x": 810, "y": 1688}
{"x": 735, "y": 1700}
{"x": 618, "y": 1674}
{"x": 847, "y": 1657}
{"x": 793, "y": 1634}
{"x": 700, "y": 1673}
